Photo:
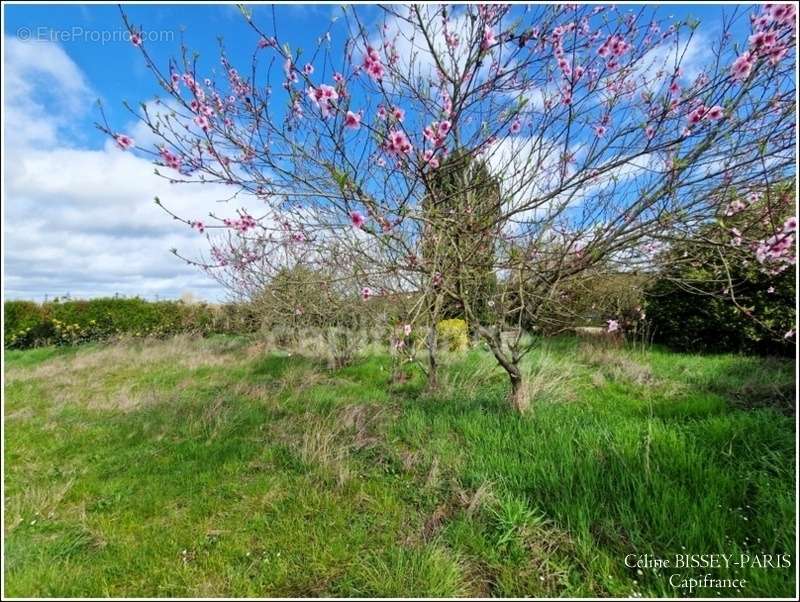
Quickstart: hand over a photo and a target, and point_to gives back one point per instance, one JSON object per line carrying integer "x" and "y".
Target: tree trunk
{"x": 518, "y": 395}
{"x": 510, "y": 363}
{"x": 433, "y": 366}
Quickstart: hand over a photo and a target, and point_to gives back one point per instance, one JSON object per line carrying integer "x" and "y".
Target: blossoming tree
{"x": 610, "y": 133}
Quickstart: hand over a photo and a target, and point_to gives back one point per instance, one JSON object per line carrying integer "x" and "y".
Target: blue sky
{"x": 79, "y": 214}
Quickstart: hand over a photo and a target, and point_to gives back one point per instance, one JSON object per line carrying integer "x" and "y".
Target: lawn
{"x": 212, "y": 467}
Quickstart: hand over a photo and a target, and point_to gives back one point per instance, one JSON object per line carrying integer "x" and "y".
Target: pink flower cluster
{"x": 323, "y": 97}
{"x": 436, "y": 133}
{"x": 430, "y": 158}
{"x": 243, "y": 224}
{"x": 488, "y": 39}
{"x": 742, "y": 66}
{"x": 558, "y": 51}
{"x": 397, "y": 143}
{"x": 765, "y": 42}
{"x": 613, "y": 48}
{"x": 776, "y": 251}
{"x": 352, "y": 120}
{"x": 124, "y": 142}
{"x": 170, "y": 159}
{"x": 702, "y": 112}
{"x": 357, "y": 219}
{"x": 734, "y": 207}
{"x": 373, "y": 64}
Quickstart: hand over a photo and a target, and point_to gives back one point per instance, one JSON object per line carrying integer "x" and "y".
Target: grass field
{"x": 214, "y": 468}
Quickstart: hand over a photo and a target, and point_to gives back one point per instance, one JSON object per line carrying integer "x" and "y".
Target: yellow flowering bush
{"x": 453, "y": 334}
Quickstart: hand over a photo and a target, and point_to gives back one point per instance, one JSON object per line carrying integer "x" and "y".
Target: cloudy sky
{"x": 79, "y": 213}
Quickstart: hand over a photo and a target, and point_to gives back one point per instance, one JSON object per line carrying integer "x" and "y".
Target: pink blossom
{"x": 789, "y": 334}
{"x": 516, "y": 126}
{"x": 444, "y": 128}
{"x": 136, "y": 39}
{"x": 170, "y": 160}
{"x": 267, "y": 42}
{"x": 308, "y": 69}
{"x": 614, "y": 45}
{"x": 696, "y": 116}
{"x": 600, "y": 130}
{"x": 776, "y": 54}
{"x": 407, "y": 329}
{"x": 202, "y": 122}
{"x": 735, "y": 207}
{"x": 199, "y": 226}
{"x": 761, "y": 41}
{"x": 783, "y": 13}
{"x": 429, "y": 158}
{"x": 366, "y": 293}
{"x": 771, "y": 290}
{"x": 742, "y": 66}
{"x": 489, "y": 38}
{"x": 398, "y": 113}
{"x": 776, "y": 250}
{"x": 650, "y": 132}
{"x": 447, "y": 104}
{"x": 352, "y": 120}
{"x": 715, "y": 113}
{"x": 323, "y": 97}
{"x": 790, "y": 225}
{"x": 357, "y": 219}
{"x": 397, "y": 143}
{"x": 373, "y": 65}
{"x": 338, "y": 77}
{"x": 613, "y": 325}
{"x": 328, "y": 92}
{"x": 124, "y": 142}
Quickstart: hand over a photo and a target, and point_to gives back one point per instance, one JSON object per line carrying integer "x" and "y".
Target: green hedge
{"x": 29, "y": 324}
{"x": 706, "y": 319}
{"x": 689, "y": 322}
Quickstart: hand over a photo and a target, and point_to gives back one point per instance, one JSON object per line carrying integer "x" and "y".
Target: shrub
{"x": 453, "y": 334}
{"x": 685, "y": 321}
{"x": 28, "y": 324}
{"x": 691, "y": 305}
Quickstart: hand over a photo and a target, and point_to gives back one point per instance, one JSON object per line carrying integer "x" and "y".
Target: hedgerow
{"x": 59, "y": 322}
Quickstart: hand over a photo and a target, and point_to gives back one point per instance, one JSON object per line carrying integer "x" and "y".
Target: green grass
{"x": 212, "y": 468}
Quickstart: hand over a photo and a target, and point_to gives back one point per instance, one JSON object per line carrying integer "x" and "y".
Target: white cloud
{"x": 82, "y": 220}
{"x": 689, "y": 54}
{"x": 44, "y": 90}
